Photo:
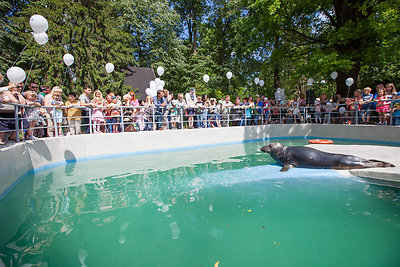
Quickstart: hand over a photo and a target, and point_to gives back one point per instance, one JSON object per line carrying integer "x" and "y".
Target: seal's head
{"x": 272, "y": 147}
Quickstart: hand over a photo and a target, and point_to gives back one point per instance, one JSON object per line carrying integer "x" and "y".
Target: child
{"x": 32, "y": 113}
{"x": 382, "y": 106}
{"x": 396, "y": 109}
{"x": 353, "y": 105}
{"x": 317, "y": 112}
{"x": 56, "y": 113}
{"x": 115, "y": 114}
{"x": 74, "y": 114}
{"x": 366, "y": 102}
{"x": 97, "y": 112}
{"x": 128, "y": 111}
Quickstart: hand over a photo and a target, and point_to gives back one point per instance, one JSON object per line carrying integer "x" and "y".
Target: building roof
{"x": 139, "y": 80}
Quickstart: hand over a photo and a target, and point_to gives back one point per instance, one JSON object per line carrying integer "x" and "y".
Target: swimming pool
{"x": 196, "y": 207}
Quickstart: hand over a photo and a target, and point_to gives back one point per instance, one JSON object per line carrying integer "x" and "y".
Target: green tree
{"x": 9, "y": 41}
{"x": 328, "y": 35}
{"x": 86, "y": 29}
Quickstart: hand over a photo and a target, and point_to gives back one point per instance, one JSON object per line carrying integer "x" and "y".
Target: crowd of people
{"x": 46, "y": 114}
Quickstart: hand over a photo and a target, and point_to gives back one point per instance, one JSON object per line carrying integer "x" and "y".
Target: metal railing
{"x": 53, "y": 121}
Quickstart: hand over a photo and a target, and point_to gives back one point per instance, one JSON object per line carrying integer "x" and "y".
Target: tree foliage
{"x": 283, "y": 42}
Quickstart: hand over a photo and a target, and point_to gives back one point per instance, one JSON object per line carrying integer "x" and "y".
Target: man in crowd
{"x": 85, "y": 101}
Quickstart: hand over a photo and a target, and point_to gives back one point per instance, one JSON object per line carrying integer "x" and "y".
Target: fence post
{"x": 16, "y": 123}
{"x": 356, "y": 110}
{"x": 55, "y": 122}
{"x": 181, "y": 115}
{"x": 229, "y": 113}
{"x": 154, "y": 117}
{"x": 90, "y": 121}
{"x": 245, "y": 116}
{"x": 280, "y": 115}
{"x": 122, "y": 118}
{"x": 329, "y": 116}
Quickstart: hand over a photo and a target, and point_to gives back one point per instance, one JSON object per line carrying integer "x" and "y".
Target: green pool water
{"x": 195, "y": 208}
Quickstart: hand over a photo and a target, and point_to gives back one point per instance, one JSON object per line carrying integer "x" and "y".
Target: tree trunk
{"x": 277, "y": 79}
{"x": 347, "y": 11}
{"x": 341, "y": 86}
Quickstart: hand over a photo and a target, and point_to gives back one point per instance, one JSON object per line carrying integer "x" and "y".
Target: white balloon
{"x": 41, "y": 38}
{"x": 16, "y": 75}
{"x": 68, "y": 59}
{"x": 310, "y": 81}
{"x": 153, "y": 85}
{"x": 148, "y": 91}
{"x": 342, "y": 110}
{"x": 109, "y": 67}
{"x": 157, "y": 80}
{"x": 261, "y": 83}
{"x": 278, "y": 89}
{"x": 229, "y": 75}
{"x": 349, "y": 81}
{"x": 283, "y": 91}
{"x": 153, "y": 92}
{"x": 160, "y": 71}
{"x": 38, "y": 23}
{"x": 206, "y": 78}
{"x": 256, "y": 80}
{"x": 162, "y": 83}
{"x": 334, "y": 75}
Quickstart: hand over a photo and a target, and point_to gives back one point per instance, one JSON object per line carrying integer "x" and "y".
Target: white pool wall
{"x": 21, "y": 158}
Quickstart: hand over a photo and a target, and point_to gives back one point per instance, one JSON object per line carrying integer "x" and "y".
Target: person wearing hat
{"x": 191, "y": 103}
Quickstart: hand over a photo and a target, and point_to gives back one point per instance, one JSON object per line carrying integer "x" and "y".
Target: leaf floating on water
{"x": 109, "y": 219}
{"x": 211, "y": 208}
{"x": 124, "y": 226}
{"x": 165, "y": 208}
{"x": 121, "y": 239}
{"x": 175, "y": 231}
{"x": 82, "y": 254}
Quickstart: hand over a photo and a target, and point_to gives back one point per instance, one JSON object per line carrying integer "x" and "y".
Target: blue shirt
{"x": 396, "y": 104}
{"x": 158, "y": 102}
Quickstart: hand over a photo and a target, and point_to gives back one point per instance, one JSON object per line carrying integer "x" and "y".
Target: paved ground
{"x": 387, "y": 176}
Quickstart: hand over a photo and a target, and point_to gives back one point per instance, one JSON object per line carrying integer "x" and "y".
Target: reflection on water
{"x": 127, "y": 203}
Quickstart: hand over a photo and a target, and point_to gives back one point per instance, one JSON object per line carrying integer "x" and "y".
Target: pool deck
{"x": 385, "y": 176}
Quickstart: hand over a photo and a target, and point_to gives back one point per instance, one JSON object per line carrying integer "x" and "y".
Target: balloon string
{"x": 22, "y": 52}
{"x": 64, "y": 77}
{"x": 33, "y": 61}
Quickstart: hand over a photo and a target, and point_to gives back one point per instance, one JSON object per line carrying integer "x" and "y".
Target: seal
{"x": 307, "y": 157}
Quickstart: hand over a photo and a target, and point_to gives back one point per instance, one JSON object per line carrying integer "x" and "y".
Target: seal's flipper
{"x": 287, "y": 167}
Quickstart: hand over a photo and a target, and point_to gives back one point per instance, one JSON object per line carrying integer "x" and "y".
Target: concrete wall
{"x": 18, "y": 159}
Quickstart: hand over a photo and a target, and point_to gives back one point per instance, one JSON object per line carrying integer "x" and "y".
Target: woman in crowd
{"x": 148, "y": 113}
{"x": 7, "y": 113}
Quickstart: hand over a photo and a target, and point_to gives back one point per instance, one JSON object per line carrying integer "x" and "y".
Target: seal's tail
{"x": 378, "y": 163}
